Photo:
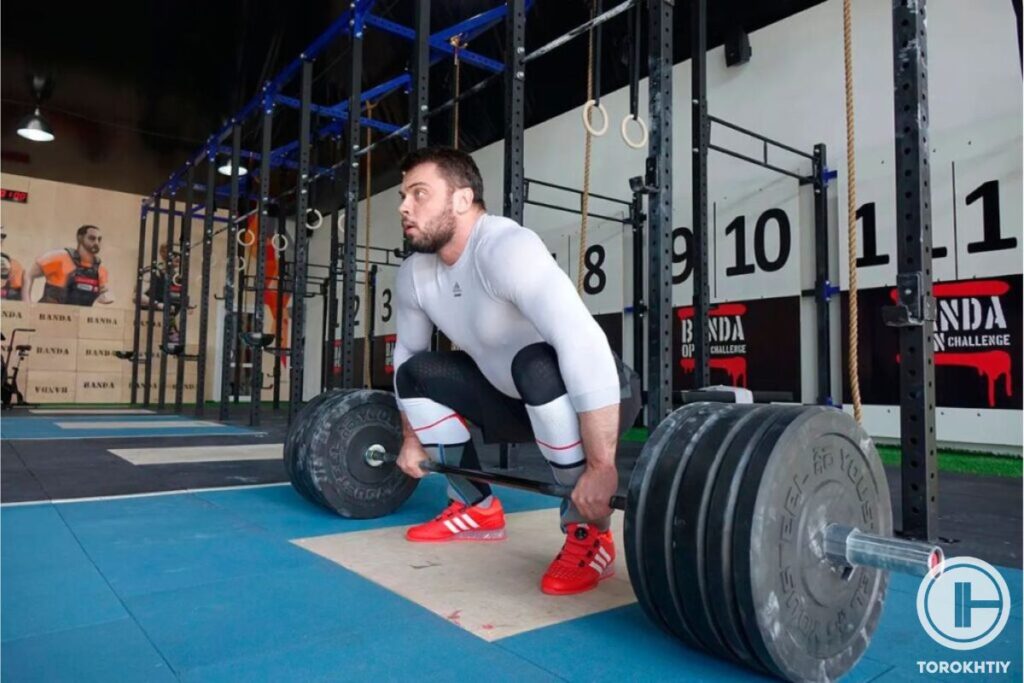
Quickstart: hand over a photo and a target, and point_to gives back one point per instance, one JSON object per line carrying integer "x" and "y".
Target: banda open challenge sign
{"x": 977, "y": 344}
{"x": 754, "y": 344}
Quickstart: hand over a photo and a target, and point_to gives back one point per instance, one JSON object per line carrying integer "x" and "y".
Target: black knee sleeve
{"x": 416, "y": 372}
{"x": 536, "y": 374}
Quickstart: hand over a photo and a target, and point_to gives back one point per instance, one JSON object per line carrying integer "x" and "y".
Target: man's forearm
{"x": 34, "y": 272}
{"x": 599, "y": 430}
{"x": 407, "y": 430}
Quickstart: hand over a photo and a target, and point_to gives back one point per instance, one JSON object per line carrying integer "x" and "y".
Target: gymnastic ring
{"x": 317, "y": 222}
{"x": 643, "y": 132}
{"x": 176, "y": 280}
{"x": 279, "y": 242}
{"x": 241, "y": 265}
{"x": 238, "y": 238}
{"x": 590, "y": 105}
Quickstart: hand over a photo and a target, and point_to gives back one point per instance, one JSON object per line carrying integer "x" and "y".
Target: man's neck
{"x": 85, "y": 255}
{"x": 450, "y": 253}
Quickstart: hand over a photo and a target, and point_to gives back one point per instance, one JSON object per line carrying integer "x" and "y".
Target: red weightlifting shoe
{"x": 587, "y": 557}
{"x": 461, "y": 522}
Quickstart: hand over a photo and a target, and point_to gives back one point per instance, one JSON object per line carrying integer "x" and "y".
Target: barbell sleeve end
{"x": 848, "y": 546}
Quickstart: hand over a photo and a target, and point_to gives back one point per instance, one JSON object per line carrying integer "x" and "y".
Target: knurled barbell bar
{"x": 761, "y": 534}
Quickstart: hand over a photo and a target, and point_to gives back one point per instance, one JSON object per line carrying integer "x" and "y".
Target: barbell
{"x": 761, "y": 534}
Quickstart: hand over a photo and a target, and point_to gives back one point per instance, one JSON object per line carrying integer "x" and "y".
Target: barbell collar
{"x": 850, "y": 547}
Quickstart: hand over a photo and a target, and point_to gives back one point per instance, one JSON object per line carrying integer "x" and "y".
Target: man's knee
{"x": 536, "y": 374}
{"x": 415, "y": 372}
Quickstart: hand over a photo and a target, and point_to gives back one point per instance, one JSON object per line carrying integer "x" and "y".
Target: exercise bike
{"x": 11, "y": 394}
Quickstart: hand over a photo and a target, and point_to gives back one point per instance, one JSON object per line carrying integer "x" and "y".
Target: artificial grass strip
{"x": 637, "y": 434}
{"x": 965, "y": 462}
{"x": 959, "y": 462}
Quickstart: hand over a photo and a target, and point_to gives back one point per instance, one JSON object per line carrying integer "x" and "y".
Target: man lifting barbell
{"x": 533, "y": 365}
{"x": 759, "y": 533}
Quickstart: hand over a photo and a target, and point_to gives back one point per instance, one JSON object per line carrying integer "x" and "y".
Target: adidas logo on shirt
{"x": 456, "y": 290}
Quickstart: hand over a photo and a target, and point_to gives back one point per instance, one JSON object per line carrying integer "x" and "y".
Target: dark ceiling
{"x": 139, "y": 86}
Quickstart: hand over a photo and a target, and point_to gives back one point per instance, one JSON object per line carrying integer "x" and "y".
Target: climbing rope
{"x": 457, "y": 45}
{"x": 851, "y": 211}
{"x": 587, "y": 144}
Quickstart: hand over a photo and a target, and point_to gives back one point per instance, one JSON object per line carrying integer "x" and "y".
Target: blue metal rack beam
{"x": 338, "y": 113}
{"x": 179, "y": 214}
{"x": 351, "y": 22}
{"x": 468, "y": 29}
{"x": 335, "y": 127}
{"x": 442, "y": 44}
{"x": 242, "y": 154}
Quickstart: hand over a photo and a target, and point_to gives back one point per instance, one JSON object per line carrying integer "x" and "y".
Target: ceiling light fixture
{"x": 226, "y": 170}
{"x": 35, "y": 128}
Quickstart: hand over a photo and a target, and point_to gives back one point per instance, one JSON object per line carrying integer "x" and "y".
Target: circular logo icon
{"x": 963, "y": 603}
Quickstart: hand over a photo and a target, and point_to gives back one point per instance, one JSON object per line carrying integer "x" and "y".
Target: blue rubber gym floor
{"x": 206, "y": 586}
{"x": 111, "y": 426}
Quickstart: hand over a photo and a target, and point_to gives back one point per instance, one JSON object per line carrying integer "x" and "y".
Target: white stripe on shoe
{"x": 459, "y": 523}
{"x": 604, "y": 555}
{"x": 451, "y": 527}
{"x": 598, "y": 568}
{"x": 470, "y": 521}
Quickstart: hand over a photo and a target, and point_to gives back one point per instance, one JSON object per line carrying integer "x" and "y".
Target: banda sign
{"x": 977, "y": 344}
{"x": 753, "y": 344}
{"x": 611, "y": 325}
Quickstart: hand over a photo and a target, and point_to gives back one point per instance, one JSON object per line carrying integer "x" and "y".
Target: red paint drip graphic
{"x": 950, "y": 290}
{"x": 686, "y": 312}
{"x": 992, "y": 365}
{"x": 734, "y": 366}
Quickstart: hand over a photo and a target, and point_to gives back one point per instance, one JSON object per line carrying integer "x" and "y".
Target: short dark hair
{"x": 84, "y": 229}
{"x": 456, "y": 167}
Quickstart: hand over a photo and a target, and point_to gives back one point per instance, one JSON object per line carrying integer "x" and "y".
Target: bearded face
{"x": 435, "y": 233}
{"x": 427, "y": 210}
{"x": 91, "y": 240}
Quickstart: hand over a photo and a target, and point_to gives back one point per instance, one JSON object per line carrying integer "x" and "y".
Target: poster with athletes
{"x": 72, "y": 275}
{"x": 977, "y": 344}
{"x": 755, "y": 344}
{"x": 72, "y": 245}
{"x": 12, "y": 273}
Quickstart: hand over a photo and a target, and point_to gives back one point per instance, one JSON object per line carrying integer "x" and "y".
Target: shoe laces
{"x": 578, "y": 552}
{"x": 454, "y": 508}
